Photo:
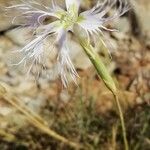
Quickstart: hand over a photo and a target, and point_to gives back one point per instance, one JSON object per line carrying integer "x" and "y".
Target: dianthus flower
{"x": 33, "y": 15}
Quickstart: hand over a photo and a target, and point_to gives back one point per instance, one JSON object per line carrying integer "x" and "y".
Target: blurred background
{"x": 84, "y": 113}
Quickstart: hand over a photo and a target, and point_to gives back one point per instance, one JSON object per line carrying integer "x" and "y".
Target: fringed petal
{"x": 32, "y": 14}
{"x": 34, "y": 52}
{"x": 65, "y": 67}
{"x": 94, "y": 19}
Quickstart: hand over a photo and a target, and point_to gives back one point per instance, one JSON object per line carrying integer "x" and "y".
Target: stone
{"x": 79, "y": 58}
{"x": 19, "y": 36}
{"x": 123, "y": 25}
{"x": 141, "y": 8}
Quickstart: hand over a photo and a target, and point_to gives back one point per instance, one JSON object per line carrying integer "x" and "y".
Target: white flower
{"x": 33, "y": 15}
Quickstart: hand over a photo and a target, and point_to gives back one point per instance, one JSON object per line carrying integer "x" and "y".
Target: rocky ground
{"x": 83, "y": 113}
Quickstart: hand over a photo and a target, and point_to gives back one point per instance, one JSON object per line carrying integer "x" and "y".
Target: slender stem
{"x": 107, "y": 79}
{"x": 122, "y": 122}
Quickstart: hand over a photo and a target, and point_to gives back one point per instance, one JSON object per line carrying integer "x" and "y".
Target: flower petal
{"x": 73, "y": 3}
{"x": 90, "y": 23}
{"x": 32, "y": 14}
{"x": 61, "y": 37}
{"x": 34, "y": 52}
{"x": 95, "y": 18}
{"x": 65, "y": 66}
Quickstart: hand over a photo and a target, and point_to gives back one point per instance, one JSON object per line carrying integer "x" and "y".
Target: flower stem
{"x": 107, "y": 79}
{"x": 99, "y": 66}
{"x": 121, "y": 121}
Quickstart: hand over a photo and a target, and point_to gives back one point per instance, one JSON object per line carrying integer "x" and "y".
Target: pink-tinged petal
{"x": 49, "y": 28}
{"x": 32, "y": 14}
{"x": 95, "y": 18}
{"x": 90, "y": 23}
{"x": 65, "y": 66}
{"x": 34, "y": 53}
{"x": 61, "y": 37}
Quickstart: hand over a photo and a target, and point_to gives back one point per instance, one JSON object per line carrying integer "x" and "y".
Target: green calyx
{"x": 70, "y": 17}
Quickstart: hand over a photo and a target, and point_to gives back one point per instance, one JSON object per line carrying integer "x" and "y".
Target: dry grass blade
{"x": 7, "y": 136}
{"x": 35, "y": 120}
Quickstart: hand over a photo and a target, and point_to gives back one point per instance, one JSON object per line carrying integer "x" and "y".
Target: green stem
{"x": 100, "y": 68}
{"x": 107, "y": 79}
{"x": 122, "y": 122}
